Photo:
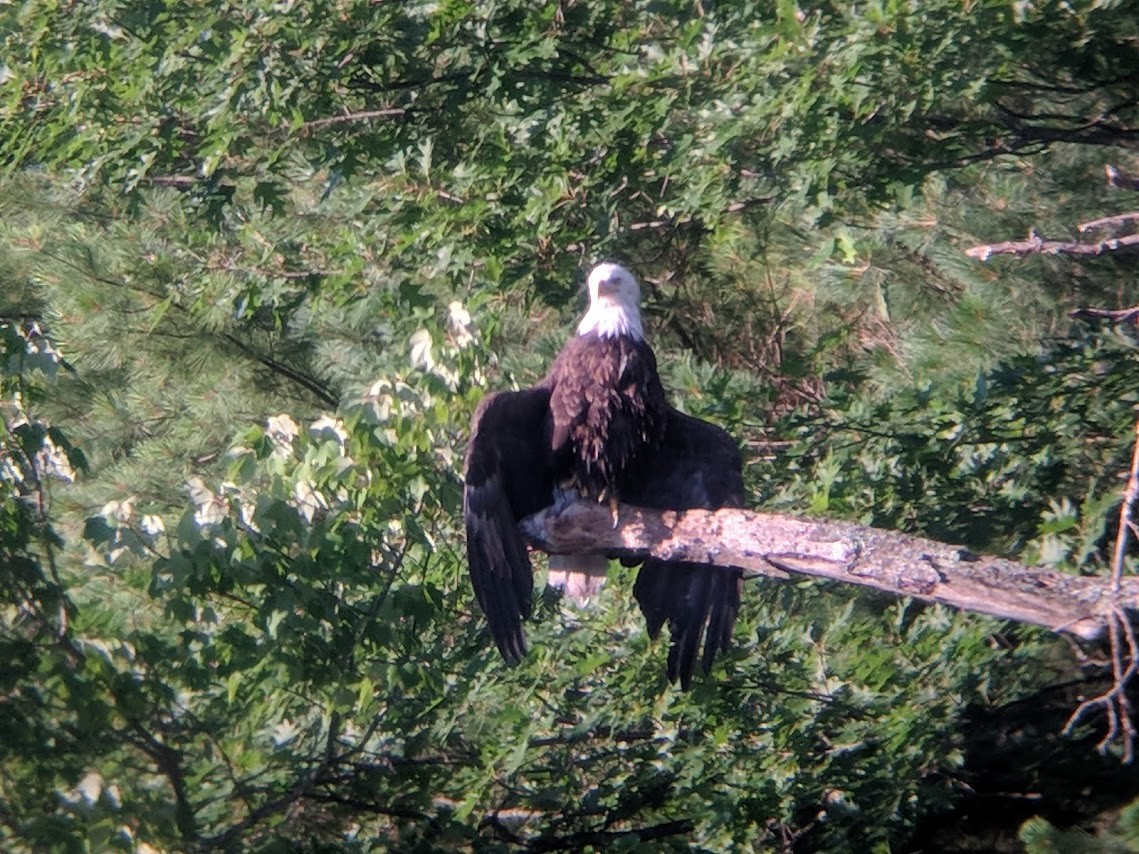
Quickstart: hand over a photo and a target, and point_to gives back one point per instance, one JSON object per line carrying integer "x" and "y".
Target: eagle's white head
{"x": 614, "y": 303}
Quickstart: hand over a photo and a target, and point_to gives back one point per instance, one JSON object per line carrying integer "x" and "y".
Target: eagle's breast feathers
{"x": 608, "y": 409}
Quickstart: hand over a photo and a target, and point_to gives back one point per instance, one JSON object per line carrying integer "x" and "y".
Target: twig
{"x": 1037, "y": 245}
{"x": 1114, "y": 701}
{"x": 1124, "y": 650}
{"x": 302, "y": 788}
{"x": 347, "y": 118}
{"x": 1130, "y": 492}
{"x": 1123, "y": 315}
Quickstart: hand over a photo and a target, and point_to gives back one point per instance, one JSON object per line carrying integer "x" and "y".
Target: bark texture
{"x": 781, "y": 546}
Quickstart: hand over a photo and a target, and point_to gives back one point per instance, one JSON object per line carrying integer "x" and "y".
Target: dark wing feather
{"x": 697, "y": 466}
{"x": 509, "y": 475}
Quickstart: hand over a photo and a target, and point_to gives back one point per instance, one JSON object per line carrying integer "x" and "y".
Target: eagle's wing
{"x": 697, "y": 466}
{"x": 509, "y": 475}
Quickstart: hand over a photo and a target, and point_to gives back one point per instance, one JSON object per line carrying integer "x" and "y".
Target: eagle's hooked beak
{"x": 608, "y": 287}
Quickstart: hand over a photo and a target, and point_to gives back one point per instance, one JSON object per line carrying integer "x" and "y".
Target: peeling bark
{"x": 782, "y": 546}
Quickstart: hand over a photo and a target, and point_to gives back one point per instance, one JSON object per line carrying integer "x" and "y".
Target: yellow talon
{"x": 615, "y": 509}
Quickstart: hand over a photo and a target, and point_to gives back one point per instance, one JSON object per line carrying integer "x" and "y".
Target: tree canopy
{"x": 259, "y": 262}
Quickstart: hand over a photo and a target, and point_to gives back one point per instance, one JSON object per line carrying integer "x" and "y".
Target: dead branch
{"x": 1123, "y": 315}
{"x": 1124, "y": 657}
{"x": 1037, "y": 245}
{"x": 778, "y": 545}
{"x": 1108, "y": 222}
{"x": 1116, "y": 177}
{"x": 1114, "y": 607}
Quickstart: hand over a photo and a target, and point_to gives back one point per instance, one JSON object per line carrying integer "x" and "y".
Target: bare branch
{"x": 1124, "y": 657}
{"x": 178, "y": 182}
{"x": 1108, "y": 222}
{"x": 1123, "y": 315}
{"x": 777, "y": 545}
{"x": 1130, "y": 492}
{"x": 1114, "y": 607}
{"x": 1036, "y": 245}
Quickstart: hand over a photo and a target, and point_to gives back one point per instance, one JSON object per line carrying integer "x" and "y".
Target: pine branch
{"x": 780, "y": 546}
{"x": 284, "y": 370}
{"x": 293, "y": 374}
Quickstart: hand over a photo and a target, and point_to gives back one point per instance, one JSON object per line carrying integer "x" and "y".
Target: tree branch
{"x": 301, "y": 379}
{"x": 348, "y": 118}
{"x": 1123, "y": 315}
{"x": 169, "y": 763}
{"x": 1036, "y": 245}
{"x": 1108, "y": 222}
{"x": 302, "y": 788}
{"x": 603, "y": 838}
{"x": 1124, "y": 661}
{"x": 777, "y": 545}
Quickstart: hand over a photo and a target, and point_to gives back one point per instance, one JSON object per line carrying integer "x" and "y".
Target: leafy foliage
{"x": 51, "y": 693}
{"x": 1040, "y": 837}
{"x": 1036, "y": 442}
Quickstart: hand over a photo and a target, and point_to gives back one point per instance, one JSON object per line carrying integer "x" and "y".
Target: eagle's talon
{"x": 615, "y": 510}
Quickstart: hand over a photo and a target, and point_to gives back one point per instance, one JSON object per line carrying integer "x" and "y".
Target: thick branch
{"x": 777, "y": 545}
{"x": 169, "y": 762}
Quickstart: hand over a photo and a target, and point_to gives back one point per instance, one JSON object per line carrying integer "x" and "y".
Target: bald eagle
{"x": 599, "y": 425}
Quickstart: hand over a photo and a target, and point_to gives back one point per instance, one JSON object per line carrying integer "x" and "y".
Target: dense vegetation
{"x": 258, "y": 262}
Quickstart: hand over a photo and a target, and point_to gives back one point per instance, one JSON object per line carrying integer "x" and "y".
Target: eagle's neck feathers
{"x": 608, "y": 318}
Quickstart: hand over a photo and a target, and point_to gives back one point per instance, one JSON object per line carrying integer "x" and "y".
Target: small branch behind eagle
{"x": 1037, "y": 245}
{"x": 782, "y": 546}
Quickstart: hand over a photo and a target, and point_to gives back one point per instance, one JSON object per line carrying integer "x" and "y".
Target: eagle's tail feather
{"x": 580, "y": 576}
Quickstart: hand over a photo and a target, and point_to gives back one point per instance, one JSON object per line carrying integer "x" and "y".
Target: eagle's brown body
{"x": 607, "y": 410}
